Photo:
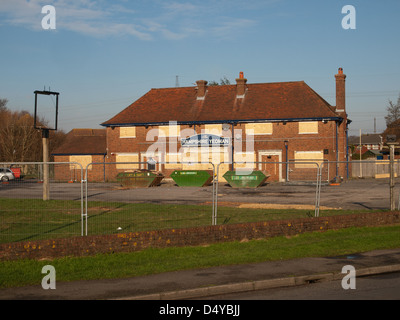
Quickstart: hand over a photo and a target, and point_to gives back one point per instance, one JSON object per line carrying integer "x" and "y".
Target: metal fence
{"x": 374, "y": 169}
{"x": 24, "y": 215}
{"x": 94, "y": 199}
{"x": 134, "y": 199}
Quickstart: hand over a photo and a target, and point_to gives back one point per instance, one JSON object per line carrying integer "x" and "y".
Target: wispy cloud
{"x": 95, "y": 18}
{"x": 171, "y": 20}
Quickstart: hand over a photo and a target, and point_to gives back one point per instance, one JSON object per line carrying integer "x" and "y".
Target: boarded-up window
{"x": 169, "y": 131}
{"x": 245, "y": 160}
{"x": 200, "y": 158}
{"x": 192, "y": 159}
{"x": 259, "y": 128}
{"x": 127, "y": 132}
{"x": 127, "y": 157}
{"x": 83, "y": 160}
{"x": 172, "y": 161}
{"x": 213, "y": 129}
{"x": 308, "y": 159}
{"x": 308, "y": 127}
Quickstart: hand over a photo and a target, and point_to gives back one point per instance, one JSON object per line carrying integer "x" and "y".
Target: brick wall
{"x": 136, "y": 241}
{"x": 325, "y": 139}
{"x": 64, "y": 172}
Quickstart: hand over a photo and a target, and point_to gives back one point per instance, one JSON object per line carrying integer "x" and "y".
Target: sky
{"x": 103, "y": 55}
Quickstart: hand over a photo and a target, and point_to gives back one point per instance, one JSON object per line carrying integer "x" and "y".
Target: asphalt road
{"x": 353, "y": 194}
{"x": 377, "y": 287}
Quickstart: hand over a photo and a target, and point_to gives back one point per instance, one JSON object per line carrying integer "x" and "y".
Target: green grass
{"x": 151, "y": 261}
{"x": 35, "y": 219}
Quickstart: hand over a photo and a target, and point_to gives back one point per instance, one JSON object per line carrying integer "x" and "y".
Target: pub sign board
{"x": 205, "y": 140}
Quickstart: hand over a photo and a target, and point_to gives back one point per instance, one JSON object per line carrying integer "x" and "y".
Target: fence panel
{"x": 131, "y": 198}
{"x": 370, "y": 191}
{"x": 276, "y": 193}
{"x": 307, "y": 170}
{"x": 24, "y": 215}
{"x": 373, "y": 168}
{"x": 108, "y": 204}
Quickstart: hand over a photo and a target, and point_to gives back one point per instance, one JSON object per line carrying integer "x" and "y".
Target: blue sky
{"x": 103, "y": 55}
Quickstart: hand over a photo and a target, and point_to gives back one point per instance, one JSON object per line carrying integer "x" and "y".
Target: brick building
{"x": 239, "y": 125}
{"x": 83, "y": 146}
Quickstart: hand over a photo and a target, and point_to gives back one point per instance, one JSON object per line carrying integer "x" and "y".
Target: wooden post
{"x": 46, "y": 184}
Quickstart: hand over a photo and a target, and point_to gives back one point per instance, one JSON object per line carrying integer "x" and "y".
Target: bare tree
{"x": 223, "y": 81}
{"x": 19, "y": 140}
{"x": 3, "y": 104}
{"x": 393, "y": 112}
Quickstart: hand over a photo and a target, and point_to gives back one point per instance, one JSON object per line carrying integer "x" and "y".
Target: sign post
{"x": 45, "y": 140}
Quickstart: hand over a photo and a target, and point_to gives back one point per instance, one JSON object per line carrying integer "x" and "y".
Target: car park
{"x": 6, "y": 174}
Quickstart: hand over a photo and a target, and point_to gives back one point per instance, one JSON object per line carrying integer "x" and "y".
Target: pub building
{"x": 261, "y": 126}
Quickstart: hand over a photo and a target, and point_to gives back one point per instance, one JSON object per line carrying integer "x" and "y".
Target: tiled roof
{"x": 83, "y": 142}
{"x": 374, "y": 138}
{"x": 273, "y": 101}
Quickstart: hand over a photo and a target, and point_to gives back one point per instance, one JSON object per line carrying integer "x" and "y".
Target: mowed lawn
{"x": 156, "y": 260}
{"x": 34, "y": 219}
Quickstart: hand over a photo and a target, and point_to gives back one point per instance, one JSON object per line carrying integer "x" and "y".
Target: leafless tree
{"x": 19, "y": 140}
{"x": 393, "y": 112}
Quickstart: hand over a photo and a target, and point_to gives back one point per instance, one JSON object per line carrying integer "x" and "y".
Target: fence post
{"x": 214, "y": 196}
{"x": 318, "y": 190}
{"x": 214, "y": 222}
{"x": 392, "y": 200}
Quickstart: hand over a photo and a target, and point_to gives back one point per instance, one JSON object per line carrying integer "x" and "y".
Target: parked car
{"x": 6, "y": 174}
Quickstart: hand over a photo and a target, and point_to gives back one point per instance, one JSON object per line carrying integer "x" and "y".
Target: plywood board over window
{"x": 172, "y": 161}
{"x": 259, "y": 128}
{"x": 83, "y": 160}
{"x": 127, "y": 157}
{"x": 213, "y": 129}
{"x": 127, "y": 132}
{"x": 310, "y": 159}
{"x": 169, "y": 131}
{"x": 245, "y": 160}
{"x": 309, "y": 127}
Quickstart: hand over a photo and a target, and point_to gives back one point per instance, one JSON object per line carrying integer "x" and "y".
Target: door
{"x": 271, "y": 163}
{"x": 272, "y": 167}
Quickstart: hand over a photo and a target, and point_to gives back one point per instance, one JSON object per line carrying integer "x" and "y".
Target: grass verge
{"x": 152, "y": 261}
{"x": 35, "y": 219}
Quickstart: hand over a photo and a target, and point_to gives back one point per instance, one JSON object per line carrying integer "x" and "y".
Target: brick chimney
{"x": 241, "y": 86}
{"x": 201, "y": 89}
{"x": 340, "y": 91}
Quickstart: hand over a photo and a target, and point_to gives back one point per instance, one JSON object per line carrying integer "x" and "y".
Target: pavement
{"x": 202, "y": 283}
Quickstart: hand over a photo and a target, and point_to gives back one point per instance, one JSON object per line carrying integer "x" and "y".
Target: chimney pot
{"x": 241, "y": 86}
{"x": 201, "y": 89}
